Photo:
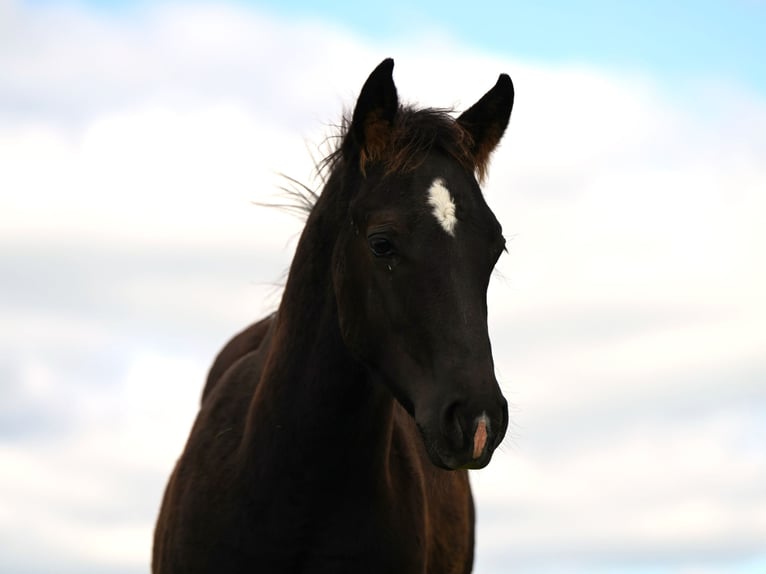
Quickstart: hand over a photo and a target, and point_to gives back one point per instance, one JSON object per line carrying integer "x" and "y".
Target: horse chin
{"x": 477, "y": 464}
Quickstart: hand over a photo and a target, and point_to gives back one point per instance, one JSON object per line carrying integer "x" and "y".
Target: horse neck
{"x": 310, "y": 381}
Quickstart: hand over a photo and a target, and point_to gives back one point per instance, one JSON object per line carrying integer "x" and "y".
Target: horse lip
{"x": 433, "y": 451}
{"x": 455, "y": 462}
{"x": 471, "y": 464}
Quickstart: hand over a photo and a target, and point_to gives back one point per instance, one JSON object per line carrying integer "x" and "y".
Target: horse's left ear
{"x": 374, "y": 115}
{"x": 487, "y": 119}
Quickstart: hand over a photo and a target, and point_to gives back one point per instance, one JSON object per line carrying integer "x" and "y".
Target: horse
{"x": 335, "y": 435}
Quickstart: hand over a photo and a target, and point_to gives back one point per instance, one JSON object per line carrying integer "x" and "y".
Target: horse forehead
{"x": 442, "y": 204}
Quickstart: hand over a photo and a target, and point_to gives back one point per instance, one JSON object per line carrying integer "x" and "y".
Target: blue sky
{"x": 675, "y": 41}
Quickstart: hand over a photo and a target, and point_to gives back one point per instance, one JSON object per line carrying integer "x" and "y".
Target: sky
{"x": 627, "y": 319}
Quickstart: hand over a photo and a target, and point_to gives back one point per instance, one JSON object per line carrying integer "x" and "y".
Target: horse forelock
{"x": 415, "y": 133}
{"x": 406, "y": 143}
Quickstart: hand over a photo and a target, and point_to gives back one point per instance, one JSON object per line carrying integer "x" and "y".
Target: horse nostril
{"x": 471, "y": 432}
{"x": 451, "y": 427}
{"x": 480, "y": 435}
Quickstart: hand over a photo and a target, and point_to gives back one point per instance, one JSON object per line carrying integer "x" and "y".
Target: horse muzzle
{"x": 464, "y": 436}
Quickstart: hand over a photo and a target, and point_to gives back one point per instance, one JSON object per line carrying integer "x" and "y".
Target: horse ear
{"x": 487, "y": 119}
{"x": 374, "y": 113}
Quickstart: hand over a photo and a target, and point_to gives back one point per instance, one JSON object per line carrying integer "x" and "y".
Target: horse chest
{"x": 378, "y": 530}
{"x": 418, "y": 520}
{"x": 369, "y": 537}
{"x": 361, "y": 520}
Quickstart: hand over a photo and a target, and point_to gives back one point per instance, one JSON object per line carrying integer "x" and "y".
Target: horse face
{"x": 412, "y": 302}
{"x": 411, "y": 272}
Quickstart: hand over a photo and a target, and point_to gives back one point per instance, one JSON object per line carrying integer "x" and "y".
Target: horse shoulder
{"x": 238, "y": 346}
{"x": 202, "y": 497}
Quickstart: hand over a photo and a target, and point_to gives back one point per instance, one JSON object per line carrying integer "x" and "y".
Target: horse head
{"x": 412, "y": 263}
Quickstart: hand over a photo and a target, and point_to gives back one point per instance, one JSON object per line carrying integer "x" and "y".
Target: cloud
{"x": 649, "y": 494}
{"x": 626, "y": 320}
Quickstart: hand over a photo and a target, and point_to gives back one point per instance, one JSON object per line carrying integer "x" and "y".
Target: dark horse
{"x": 334, "y": 436}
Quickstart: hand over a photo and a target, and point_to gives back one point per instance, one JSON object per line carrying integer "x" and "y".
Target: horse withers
{"x": 334, "y": 436}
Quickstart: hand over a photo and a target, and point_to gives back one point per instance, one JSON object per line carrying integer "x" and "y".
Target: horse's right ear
{"x": 374, "y": 115}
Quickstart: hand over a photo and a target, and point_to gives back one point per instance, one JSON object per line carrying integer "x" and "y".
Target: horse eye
{"x": 380, "y": 246}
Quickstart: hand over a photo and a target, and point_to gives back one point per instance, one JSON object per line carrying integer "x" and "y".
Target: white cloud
{"x": 675, "y": 491}
{"x": 628, "y": 328}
